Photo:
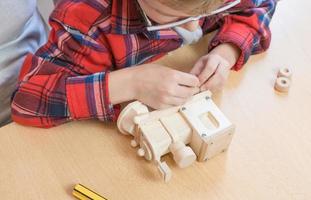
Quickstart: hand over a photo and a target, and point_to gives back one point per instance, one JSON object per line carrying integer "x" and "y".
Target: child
{"x": 99, "y": 53}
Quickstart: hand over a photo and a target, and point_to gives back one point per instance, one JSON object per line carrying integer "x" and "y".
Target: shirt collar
{"x": 126, "y": 18}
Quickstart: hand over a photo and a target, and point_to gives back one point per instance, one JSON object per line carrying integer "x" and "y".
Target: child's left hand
{"x": 213, "y": 69}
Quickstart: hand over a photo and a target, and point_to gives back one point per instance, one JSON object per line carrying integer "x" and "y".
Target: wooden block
{"x": 178, "y": 128}
{"x": 217, "y": 144}
{"x": 155, "y": 137}
{"x": 210, "y": 126}
{"x": 282, "y": 84}
{"x": 155, "y": 115}
{"x": 199, "y": 96}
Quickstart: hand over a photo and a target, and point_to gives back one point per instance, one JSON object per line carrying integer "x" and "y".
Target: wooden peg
{"x": 182, "y": 154}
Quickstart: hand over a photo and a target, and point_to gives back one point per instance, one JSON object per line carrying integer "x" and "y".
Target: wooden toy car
{"x": 198, "y": 123}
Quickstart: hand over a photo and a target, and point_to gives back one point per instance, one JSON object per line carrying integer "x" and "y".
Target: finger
{"x": 187, "y": 79}
{"x": 198, "y": 66}
{"x": 209, "y": 69}
{"x": 186, "y": 92}
{"x": 217, "y": 81}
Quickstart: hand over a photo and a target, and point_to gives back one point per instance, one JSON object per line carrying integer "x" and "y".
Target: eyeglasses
{"x": 223, "y": 8}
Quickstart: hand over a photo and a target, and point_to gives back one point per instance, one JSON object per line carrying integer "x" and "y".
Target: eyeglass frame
{"x": 151, "y": 27}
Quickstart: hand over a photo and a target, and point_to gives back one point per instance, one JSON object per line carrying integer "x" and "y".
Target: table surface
{"x": 269, "y": 158}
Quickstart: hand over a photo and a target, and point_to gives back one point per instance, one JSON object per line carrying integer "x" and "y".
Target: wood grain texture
{"x": 269, "y": 158}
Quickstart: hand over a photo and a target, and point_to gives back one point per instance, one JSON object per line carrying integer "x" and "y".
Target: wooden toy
{"x": 285, "y": 72}
{"x": 283, "y": 81}
{"x": 197, "y": 130}
{"x": 282, "y": 84}
{"x": 83, "y": 193}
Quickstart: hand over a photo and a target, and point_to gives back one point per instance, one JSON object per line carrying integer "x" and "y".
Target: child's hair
{"x": 193, "y": 7}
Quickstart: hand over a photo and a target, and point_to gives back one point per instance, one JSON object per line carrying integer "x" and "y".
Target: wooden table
{"x": 270, "y": 156}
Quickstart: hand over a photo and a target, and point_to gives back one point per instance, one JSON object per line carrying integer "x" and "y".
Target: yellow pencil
{"x": 83, "y": 193}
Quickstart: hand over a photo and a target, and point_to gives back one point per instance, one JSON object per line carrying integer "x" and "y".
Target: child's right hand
{"x": 160, "y": 87}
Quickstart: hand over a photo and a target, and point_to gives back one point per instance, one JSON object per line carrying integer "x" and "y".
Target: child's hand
{"x": 213, "y": 69}
{"x": 161, "y": 87}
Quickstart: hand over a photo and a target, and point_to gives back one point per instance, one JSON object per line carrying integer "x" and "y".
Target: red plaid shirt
{"x": 67, "y": 78}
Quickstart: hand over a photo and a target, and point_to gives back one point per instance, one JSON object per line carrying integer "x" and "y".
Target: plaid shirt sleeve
{"x": 67, "y": 79}
{"x": 247, "y": 26}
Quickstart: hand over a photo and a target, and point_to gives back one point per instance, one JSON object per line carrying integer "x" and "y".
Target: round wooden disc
{"x": 282, "y": 84}
{"x": 285, "y": 72}
{"x": 125, "y": 122}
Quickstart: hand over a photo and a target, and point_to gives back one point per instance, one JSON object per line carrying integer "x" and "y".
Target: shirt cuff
{"x": 88, "y": 97}
{"x": 238, "y": 34}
